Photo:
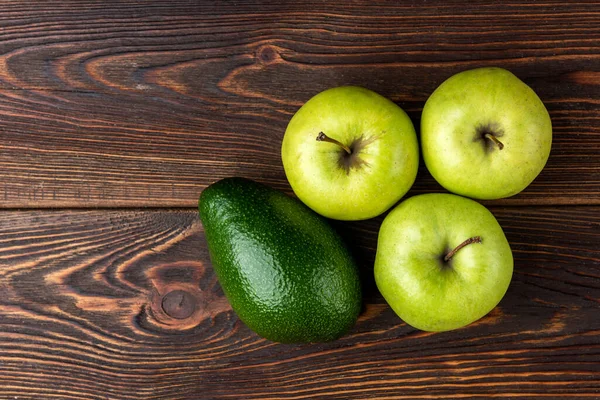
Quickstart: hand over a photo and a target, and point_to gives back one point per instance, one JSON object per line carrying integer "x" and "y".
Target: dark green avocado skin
{"x": 286, "y": 273}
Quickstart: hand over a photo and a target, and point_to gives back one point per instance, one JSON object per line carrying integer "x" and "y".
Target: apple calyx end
{"x": 474, "y": 239}
{"x": 321, "y": 137}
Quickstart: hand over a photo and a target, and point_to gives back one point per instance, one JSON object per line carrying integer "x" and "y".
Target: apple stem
{"x": 475, "y": 239}
{"x": 321, "y": 137}
{"x": 495, "y": 140}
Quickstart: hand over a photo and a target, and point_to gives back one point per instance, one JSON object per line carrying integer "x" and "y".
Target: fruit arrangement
{"x": 442, "y": 259}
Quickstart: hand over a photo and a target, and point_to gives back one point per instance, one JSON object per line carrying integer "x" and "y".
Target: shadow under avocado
{"x": 361, "y": 239}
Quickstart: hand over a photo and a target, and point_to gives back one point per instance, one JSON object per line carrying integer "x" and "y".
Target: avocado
{"x": 286, "y": 273}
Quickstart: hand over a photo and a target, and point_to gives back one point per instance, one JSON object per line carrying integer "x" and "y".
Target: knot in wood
{"x": 267, "y": 54}
{"x": 179, "y": 304}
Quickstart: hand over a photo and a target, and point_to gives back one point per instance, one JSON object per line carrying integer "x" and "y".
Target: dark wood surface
{"x": 145, "y": 103}
{"x": 114, "y": 115}
{"x": 81, "y": 318}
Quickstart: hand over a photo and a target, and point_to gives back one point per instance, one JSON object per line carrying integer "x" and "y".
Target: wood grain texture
{"x": 137, "y": 103}
{"x": 80, "y": 318}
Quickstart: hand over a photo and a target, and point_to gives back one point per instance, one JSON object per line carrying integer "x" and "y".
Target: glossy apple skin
{"x": 389, "y": 157}
{"x": 455, "y": 154}
{"x": 425, "y": 292}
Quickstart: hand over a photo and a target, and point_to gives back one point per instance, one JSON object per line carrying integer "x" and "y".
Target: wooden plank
{"x": 80, "y": 318}
{"x": 110, "y": 104}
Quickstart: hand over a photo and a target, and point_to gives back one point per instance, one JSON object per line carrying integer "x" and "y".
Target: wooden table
{"x": 114, "y": 115}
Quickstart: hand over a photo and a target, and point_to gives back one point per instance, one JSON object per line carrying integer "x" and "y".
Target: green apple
{"x": 485, "y": 134}
{"x": 442, "y": 261}
{"x": 350, "y": 154}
